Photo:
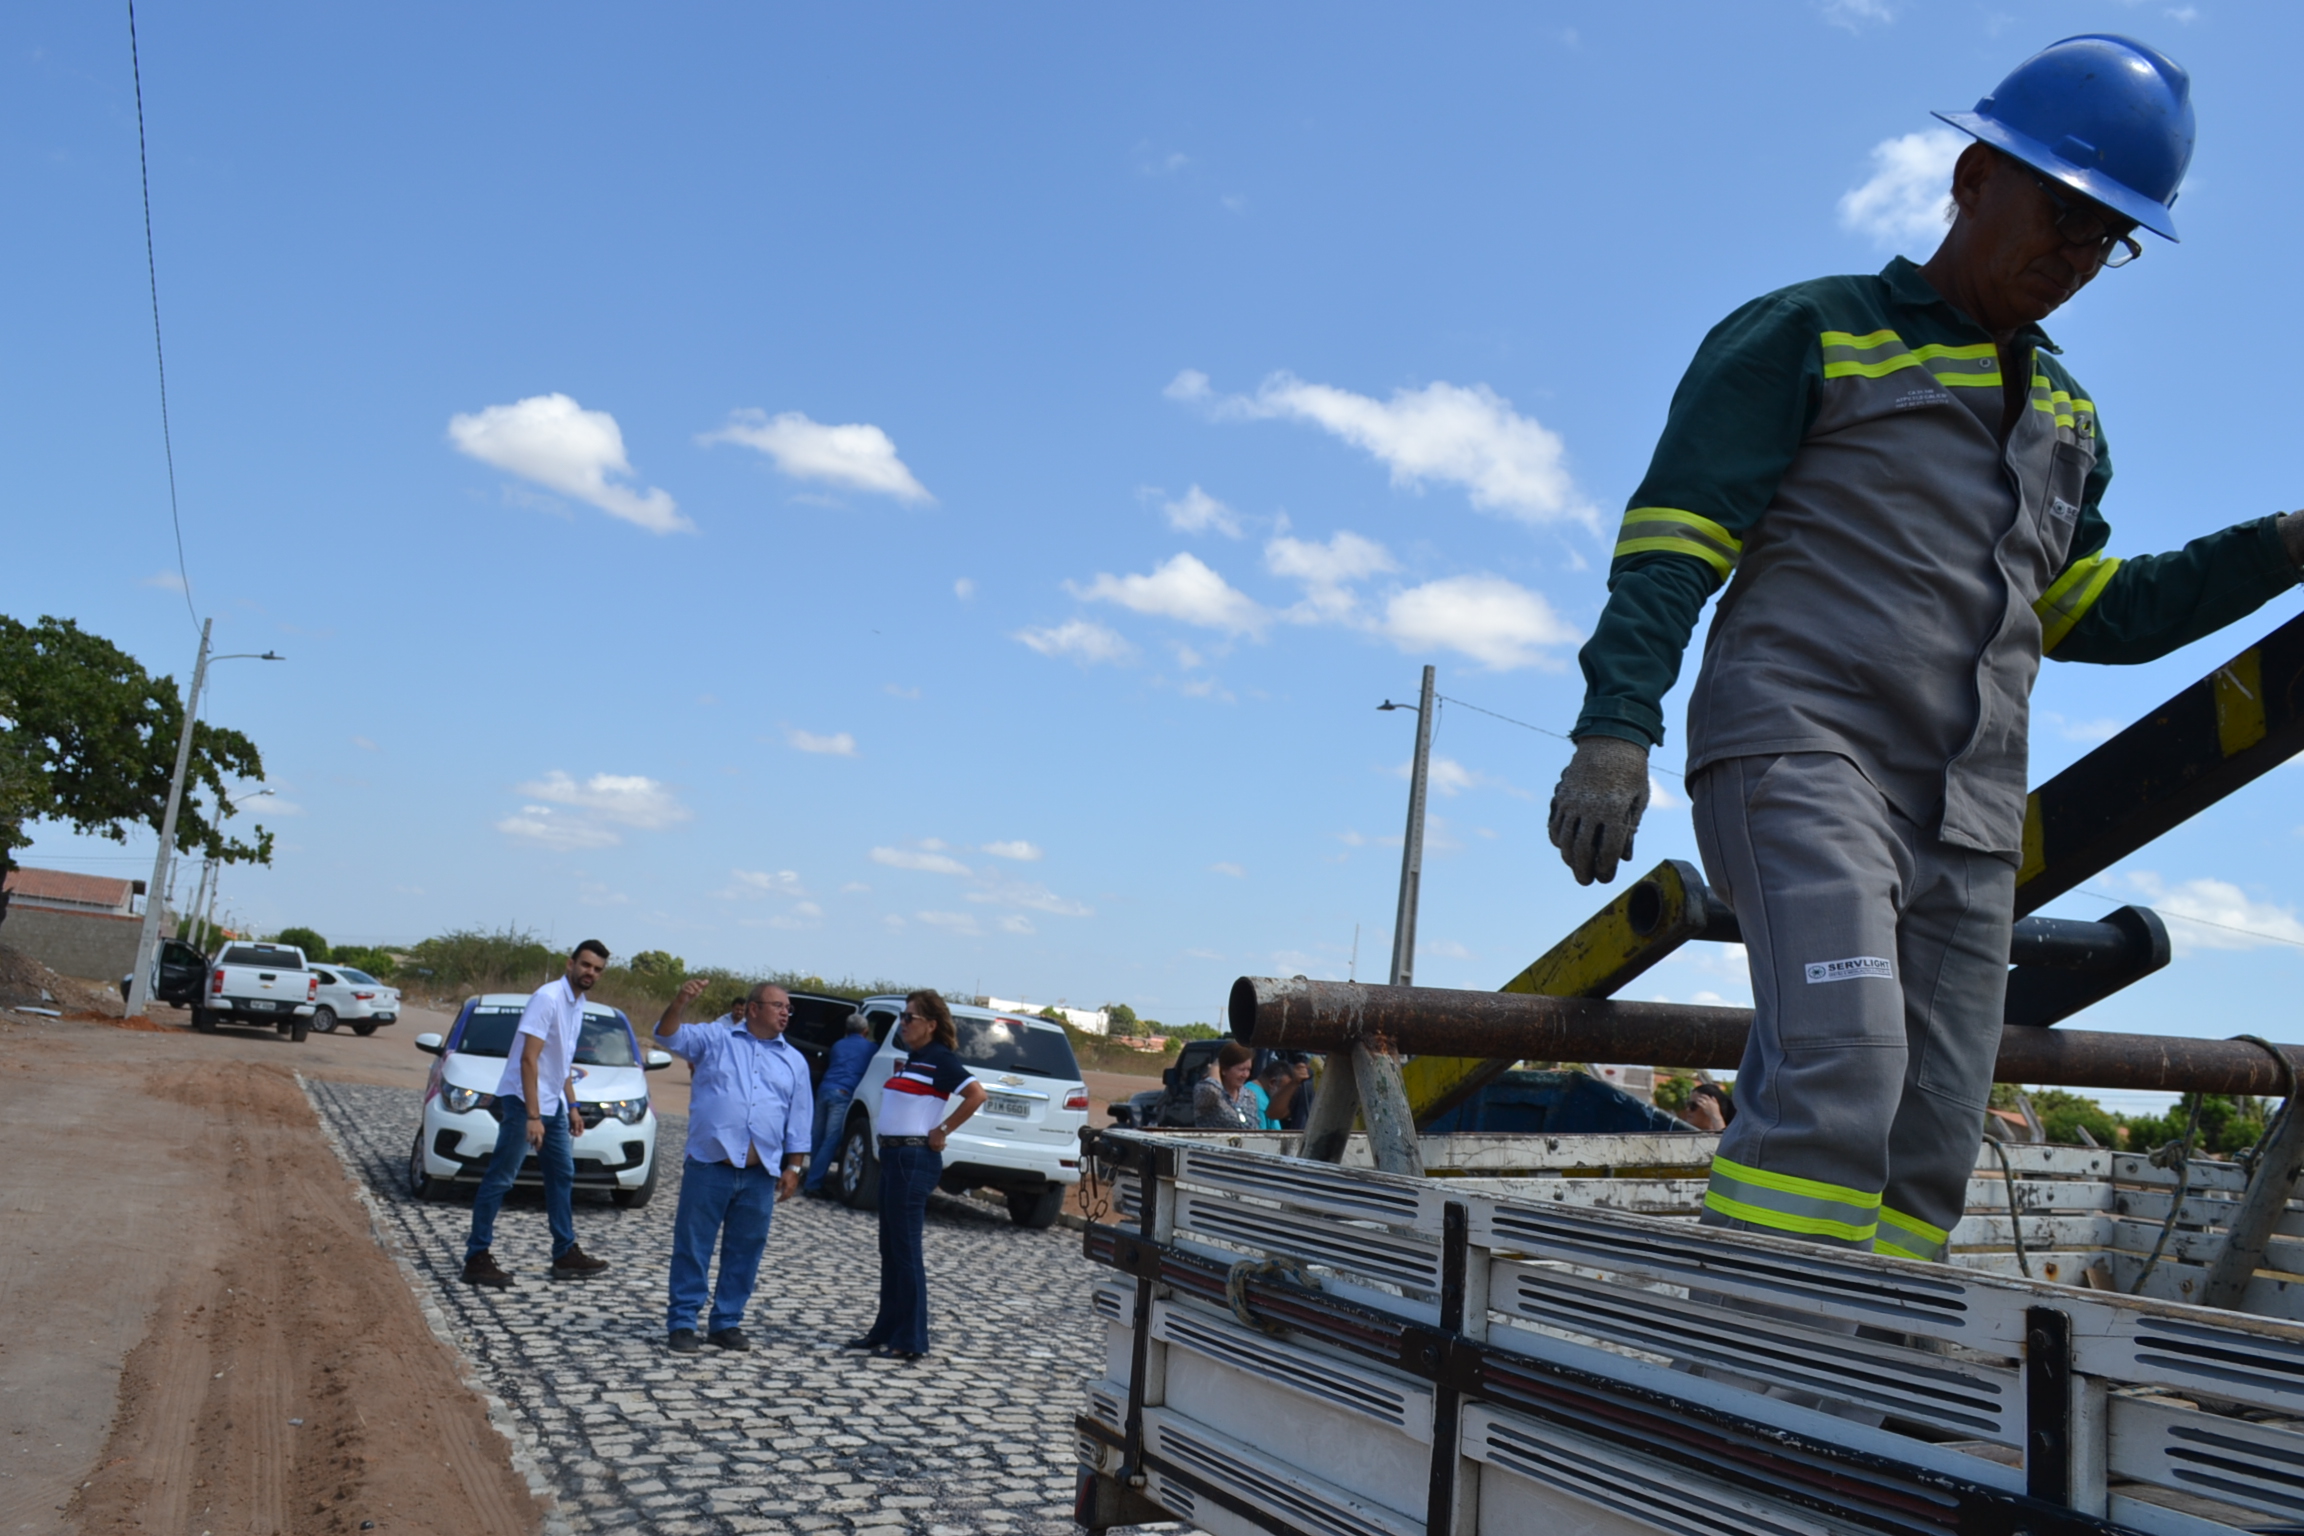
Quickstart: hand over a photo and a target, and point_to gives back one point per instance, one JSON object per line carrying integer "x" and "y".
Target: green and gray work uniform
{"x": 1898, "y": 555}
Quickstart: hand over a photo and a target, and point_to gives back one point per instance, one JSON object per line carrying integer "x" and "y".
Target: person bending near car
{"x": 913, "y": 1125}
{"x": 842, "y": 1074}
{"x": 748, "y": 1136}
{"x": 536, "y": 1113}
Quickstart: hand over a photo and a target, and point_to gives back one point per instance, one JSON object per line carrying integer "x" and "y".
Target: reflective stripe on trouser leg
{"x": 1815, "y": 862}
{"x": 1953, "y": 951}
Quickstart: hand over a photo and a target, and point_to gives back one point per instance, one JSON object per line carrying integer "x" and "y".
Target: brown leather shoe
{"x": 480, "y": 1269}
{"x": 576, "y": 1264}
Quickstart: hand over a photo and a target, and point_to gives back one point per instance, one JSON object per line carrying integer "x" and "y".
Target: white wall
{"x": 1091, "y": 1021}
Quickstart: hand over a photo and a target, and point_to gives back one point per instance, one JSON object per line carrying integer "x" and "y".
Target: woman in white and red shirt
{"x": 913, "y": 1123}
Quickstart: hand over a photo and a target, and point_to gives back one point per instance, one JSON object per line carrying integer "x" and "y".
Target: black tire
{"x": 633, "y": 1199}
{"x": 296, "y": 1028}
{"x": 364, "y": 1029}
{"x": 203, "y": 1020}
{"x": 324, "y": 1019}
{"x": 859, "y": 1167}
{"x": 1036, "y": 1208}
{"x": 421, "y": 1185}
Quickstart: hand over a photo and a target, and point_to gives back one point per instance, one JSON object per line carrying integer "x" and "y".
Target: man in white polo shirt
{"x": 536, "y": 1112}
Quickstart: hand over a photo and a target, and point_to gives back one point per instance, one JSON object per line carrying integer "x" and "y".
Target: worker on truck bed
{"x": 1898, "y": 483}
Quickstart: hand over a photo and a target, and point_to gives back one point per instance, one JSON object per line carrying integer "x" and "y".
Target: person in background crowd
{"x": 913, "y": 1125}
{"x": 1221, "y": 1101}
{"x": 536, "y": 1112}
{"x": 748, "y": 1139}
{"x": 1709, "y": 1108}
{"x": 1275, "y": 1090}
{"x": 841, "y": 1075}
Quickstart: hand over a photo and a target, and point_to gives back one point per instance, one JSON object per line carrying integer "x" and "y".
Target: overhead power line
{"x": 1524, "y": 725}
{"x": 159, "y": 354}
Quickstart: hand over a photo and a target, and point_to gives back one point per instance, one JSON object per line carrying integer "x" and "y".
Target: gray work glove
{"x": 1596, "y": 807}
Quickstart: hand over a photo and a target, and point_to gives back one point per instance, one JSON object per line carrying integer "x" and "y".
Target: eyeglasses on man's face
{"x": 2082, "y": 223}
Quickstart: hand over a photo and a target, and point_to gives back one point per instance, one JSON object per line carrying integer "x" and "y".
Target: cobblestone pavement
{"x": 796, "y": 1436}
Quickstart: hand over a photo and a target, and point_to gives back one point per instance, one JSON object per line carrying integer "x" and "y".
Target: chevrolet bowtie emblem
{"x": 1012, "y": 1081}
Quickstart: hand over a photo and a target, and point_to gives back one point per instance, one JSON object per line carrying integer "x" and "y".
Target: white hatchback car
{"x": 1024, "y": 1142}
{"x": 457, "y": 1134}
{"x": 354, "y": 997}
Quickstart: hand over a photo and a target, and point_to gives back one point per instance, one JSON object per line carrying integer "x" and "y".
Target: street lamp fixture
{"x": 148, "y": 938}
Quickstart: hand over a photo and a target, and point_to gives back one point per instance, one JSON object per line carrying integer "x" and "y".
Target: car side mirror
{"x": 429, "y": 1044}
{"x": 656, "y": 1061}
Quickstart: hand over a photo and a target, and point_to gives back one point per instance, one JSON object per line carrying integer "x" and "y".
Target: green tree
{"x": 314, "y": 946}
{"x": 2227, "y": 1124}
{"x": 1193, "y": 1032}
{"x": 88, "y": 738}
{"x": 365, "y": 957}
{"x": 1123, "y": 1018}
{"x": 655, "y": 962}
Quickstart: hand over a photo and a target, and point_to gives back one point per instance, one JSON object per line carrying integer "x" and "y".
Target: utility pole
{"x": 1412, "y": 847}
{"x": 155, "y": 899}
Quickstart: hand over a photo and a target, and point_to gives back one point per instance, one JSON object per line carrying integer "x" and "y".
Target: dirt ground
{"x": 200, "y": 1332}
{"x": 185, "y": 1275}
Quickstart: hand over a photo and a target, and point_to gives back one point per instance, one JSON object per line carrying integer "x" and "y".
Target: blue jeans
{"x": 559, "y": 1155}
{"x": 907, "y": 1175}
{"x": 734, "y": 1205}
{"x": 831, "y": 1122}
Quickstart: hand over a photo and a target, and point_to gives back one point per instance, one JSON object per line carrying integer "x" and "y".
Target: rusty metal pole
{"x": 1333, "y": 1015}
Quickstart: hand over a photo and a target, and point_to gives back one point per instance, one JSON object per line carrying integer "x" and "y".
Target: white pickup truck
{"x": 258, "y": 984}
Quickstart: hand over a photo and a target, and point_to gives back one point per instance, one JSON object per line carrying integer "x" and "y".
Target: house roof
{"x": 61, "y": 886}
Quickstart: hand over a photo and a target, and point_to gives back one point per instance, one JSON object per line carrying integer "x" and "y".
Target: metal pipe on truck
{"x": 1295, "y": 1014}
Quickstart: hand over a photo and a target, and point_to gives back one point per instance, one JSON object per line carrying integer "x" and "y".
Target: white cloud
{"x": 1017, "y": 922}
{"x": 365, "y": 745}
{"x": 629, "y": 800}
{"x": 1032, "y": 897}
{"x": 1198, "y": 512}
{"x": 1019, "y": 850}
{"x": 1450, "y": 777}
{"x": 964, "y": 589}
{"x": 1228, "y": 868}
{"x": 2092, "y": 731}
{"x": 951, "y": 922}
{"x": 555, "y": 442}
{"x": 1083, "y": 640}
{"x": 166, "y": 581}
{"x": 1447, "y": 949}
{"x": 1183, "y": 589}
{"x": 1911, "y": 183}
{"x": 1326, "y": 572}
{"x": 930, "y": 862}
{"x": 1497, "y": 623}
{"x": 858, "y": 457}
{"x": 592, "y": 893}
{"x": 838, "y": 744}
{"x": 1661, "y": 798}
{"x": 895, "y": 692}
{"x": 2222, "y": 915}
{"x": 1462, "y": 435}
{"x": 1853, "y": 14}
{"x": 543, "y": 825}
{"x": 756, "y": 884}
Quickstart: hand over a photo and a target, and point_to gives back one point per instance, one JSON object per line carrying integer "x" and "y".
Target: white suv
{"x": 1024, "y": 1142}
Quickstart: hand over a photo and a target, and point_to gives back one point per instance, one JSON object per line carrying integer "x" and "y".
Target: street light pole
{"x": 1412, "y": 847}
{"x": 155, "y": 899}
{"x": 148, "y": 938}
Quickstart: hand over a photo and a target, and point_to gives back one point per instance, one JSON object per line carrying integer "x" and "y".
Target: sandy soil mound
{"x": 26, "y": 983}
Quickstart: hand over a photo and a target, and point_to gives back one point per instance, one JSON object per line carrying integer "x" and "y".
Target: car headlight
{"x": 460, "y": 1100}
{"x": 630, "y": 1111}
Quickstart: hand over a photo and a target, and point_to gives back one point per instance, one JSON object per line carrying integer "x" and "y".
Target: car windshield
{"x": 603, "y": 1042}
{"x": 1011, "y": 1045}
{"x": 357, "y": 978}
{"x": 269, "y": 956}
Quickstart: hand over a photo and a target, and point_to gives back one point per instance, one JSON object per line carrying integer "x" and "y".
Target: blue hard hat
{"x": 2106, "y": 116}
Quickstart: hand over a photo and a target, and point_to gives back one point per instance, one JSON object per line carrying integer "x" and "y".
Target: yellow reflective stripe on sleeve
{"x": 2071, "y": 595}
{"x": 1780, "y": 1221}
{"x": 1784, "y": 1202}
{"x": 1915, "y": 1239}
{"x": 1668, "y": 530}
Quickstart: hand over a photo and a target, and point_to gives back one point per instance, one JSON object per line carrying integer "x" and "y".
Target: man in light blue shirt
{"x": 748, "y": 1133}
{"x": 842, "y": 1073}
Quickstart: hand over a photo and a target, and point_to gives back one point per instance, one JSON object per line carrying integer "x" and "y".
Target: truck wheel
{"x": 1035, "y": 1209}
{"x": 364, "y": 1029}
{"x": 632, "y": 1199}
{"x": 203, "y": 1020}
{"x": 296, "y": 1028}
{"x": 324, "y": 1020}
{"x": 860, "y": 1168}
{"x": 421, "y": 1185}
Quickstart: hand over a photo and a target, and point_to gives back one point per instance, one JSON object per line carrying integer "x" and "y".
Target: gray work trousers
{"x": 1879, "y": 960}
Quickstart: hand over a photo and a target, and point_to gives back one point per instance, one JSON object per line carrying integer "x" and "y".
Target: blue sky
{"x": 939, "y": 491}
